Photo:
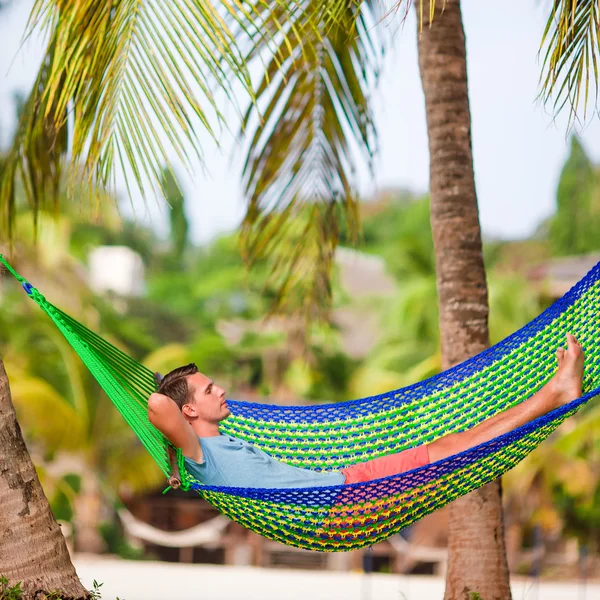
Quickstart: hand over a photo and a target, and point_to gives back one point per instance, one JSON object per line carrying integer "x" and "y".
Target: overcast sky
{"x": 518, "y": 147}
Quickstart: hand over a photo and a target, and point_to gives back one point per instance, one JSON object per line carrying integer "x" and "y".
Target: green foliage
{"x": 15, "y": 592}
{"x": 299, "y": 173}
{"x": 581, "y": 515}
{"x": 401, "y": 233}
{"x": 335, "y": 370}
{"x": 88, "y": 235}
{"x": 176, "y": 202}
{"x": 325, "y": 378}
{"x": 399, "y": 230}
{"x": 8, "y": 592}
{"x": 61, "y": 502}
{"x": 149, "y": 324}
{"x": 574, "y": 228}
{"x": 116, "y": 542}
{"x": 570, "y": 66}
{"x": 60, "y": 405}
{"x": 127, "y": 86}
{"x": 513, "y": 303}
{"x": 211, "y": 353}
{"x": 213, "y": 286}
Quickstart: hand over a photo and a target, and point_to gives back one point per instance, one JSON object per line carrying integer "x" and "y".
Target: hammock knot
{"x": 33, "y": 293}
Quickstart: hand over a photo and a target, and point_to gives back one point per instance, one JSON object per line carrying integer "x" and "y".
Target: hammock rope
{"x": 331, "y": 436}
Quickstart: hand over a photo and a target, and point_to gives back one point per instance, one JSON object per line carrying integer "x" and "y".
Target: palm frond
{"x": 132, "y": 82}
{"x": 313, "y": 103}
{"x": 570, "y": 68}
{"x": 168, "y": 357}
{"x": 425, "y": 9}
{"x": 75, "y": 375}
{"x": 36, "y": 153}
{"x": 298, "y": 244}
{"x": 47, "y": 415}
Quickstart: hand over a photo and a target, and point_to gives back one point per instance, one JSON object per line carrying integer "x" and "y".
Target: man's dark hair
{"x": 174, "y": 384}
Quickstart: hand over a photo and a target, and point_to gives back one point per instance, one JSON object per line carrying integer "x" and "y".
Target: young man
{"x": 189, "y": 406}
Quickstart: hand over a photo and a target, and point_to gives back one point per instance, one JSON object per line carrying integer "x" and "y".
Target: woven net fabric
{"x": 331, "y": 436}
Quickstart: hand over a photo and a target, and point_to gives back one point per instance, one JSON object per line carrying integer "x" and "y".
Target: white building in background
{"x": 117, "y": 269}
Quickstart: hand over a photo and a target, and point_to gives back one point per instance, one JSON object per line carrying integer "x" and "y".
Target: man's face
{"x": 209, "y": 402}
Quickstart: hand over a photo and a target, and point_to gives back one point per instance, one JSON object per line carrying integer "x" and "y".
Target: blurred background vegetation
{"x": 201, "y": 304}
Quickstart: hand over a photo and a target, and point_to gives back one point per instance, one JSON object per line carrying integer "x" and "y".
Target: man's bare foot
{"x": 566, "y": 382}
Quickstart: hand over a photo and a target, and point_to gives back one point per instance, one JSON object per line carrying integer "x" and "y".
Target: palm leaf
{"x": 370, "y": 380}
{"x": 75, "y": 373}
{"x": 312, "y": 103}
{"x": 36, "y": 152}
{"x": 571, "y": 42}
{"x": 167, "y": 358}
{"x": 133, "y": 80}
{"x": 584, "y": 433}
{"x": 137, "y": 474}
{"x": 47, "y": 415}
{"x": 298, "y": 244}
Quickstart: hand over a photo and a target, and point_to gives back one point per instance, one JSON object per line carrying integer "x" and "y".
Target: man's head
{"x": 197, "y": 396}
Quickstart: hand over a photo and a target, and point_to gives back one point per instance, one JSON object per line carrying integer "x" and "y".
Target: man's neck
{"x": 203, "y": 429}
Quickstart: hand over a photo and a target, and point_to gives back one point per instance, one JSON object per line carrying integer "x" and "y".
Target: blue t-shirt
{"x": 228, "y": 461}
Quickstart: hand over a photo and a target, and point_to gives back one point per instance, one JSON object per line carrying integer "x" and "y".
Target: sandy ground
{"x": 144, "y": 580}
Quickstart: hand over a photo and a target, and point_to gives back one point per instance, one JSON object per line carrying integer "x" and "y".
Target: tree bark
{"x": 477, "y": 557}
{"x": 32, "y": 548}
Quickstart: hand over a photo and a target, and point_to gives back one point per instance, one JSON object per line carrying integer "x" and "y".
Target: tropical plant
{"x": 299, "y": 170}
{"x": 116, "y": 66}
{"x": 400, "y": 231}
{"x": 69, "y": 420}
{"x": 213, "y": 286}
{"x": 176, "y": 203}
{"x": 70, "y": 425}
{"x": 564, "y": 481}
{"x": 573, "y": 229}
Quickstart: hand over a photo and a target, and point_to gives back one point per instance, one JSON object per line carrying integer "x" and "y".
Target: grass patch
{"x": 14, "y": 592}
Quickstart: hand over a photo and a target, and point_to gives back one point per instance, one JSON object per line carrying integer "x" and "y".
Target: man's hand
{"x": 165, "y": 415}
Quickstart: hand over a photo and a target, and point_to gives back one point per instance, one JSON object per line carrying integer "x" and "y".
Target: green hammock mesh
{"x": 331, "y": 436}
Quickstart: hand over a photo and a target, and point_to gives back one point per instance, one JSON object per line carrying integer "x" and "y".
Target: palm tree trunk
{"x": 477, "y": 557}
{"x": 32, "y": 547}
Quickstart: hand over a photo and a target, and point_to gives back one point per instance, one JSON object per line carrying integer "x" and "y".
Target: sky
{"x": 518, "y": 145}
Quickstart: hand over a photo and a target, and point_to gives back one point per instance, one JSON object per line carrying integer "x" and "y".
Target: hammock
{"x": 331, "y": 436}
{"x": 204, "y": 534}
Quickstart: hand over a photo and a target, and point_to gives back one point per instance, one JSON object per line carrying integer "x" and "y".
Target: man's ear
{"x": 189, "y": 410}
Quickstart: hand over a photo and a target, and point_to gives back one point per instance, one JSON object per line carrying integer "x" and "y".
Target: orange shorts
{"x": 384, "y": 466}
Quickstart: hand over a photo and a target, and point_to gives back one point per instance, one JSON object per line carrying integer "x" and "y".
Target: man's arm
{"x": 165, "y": 415}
